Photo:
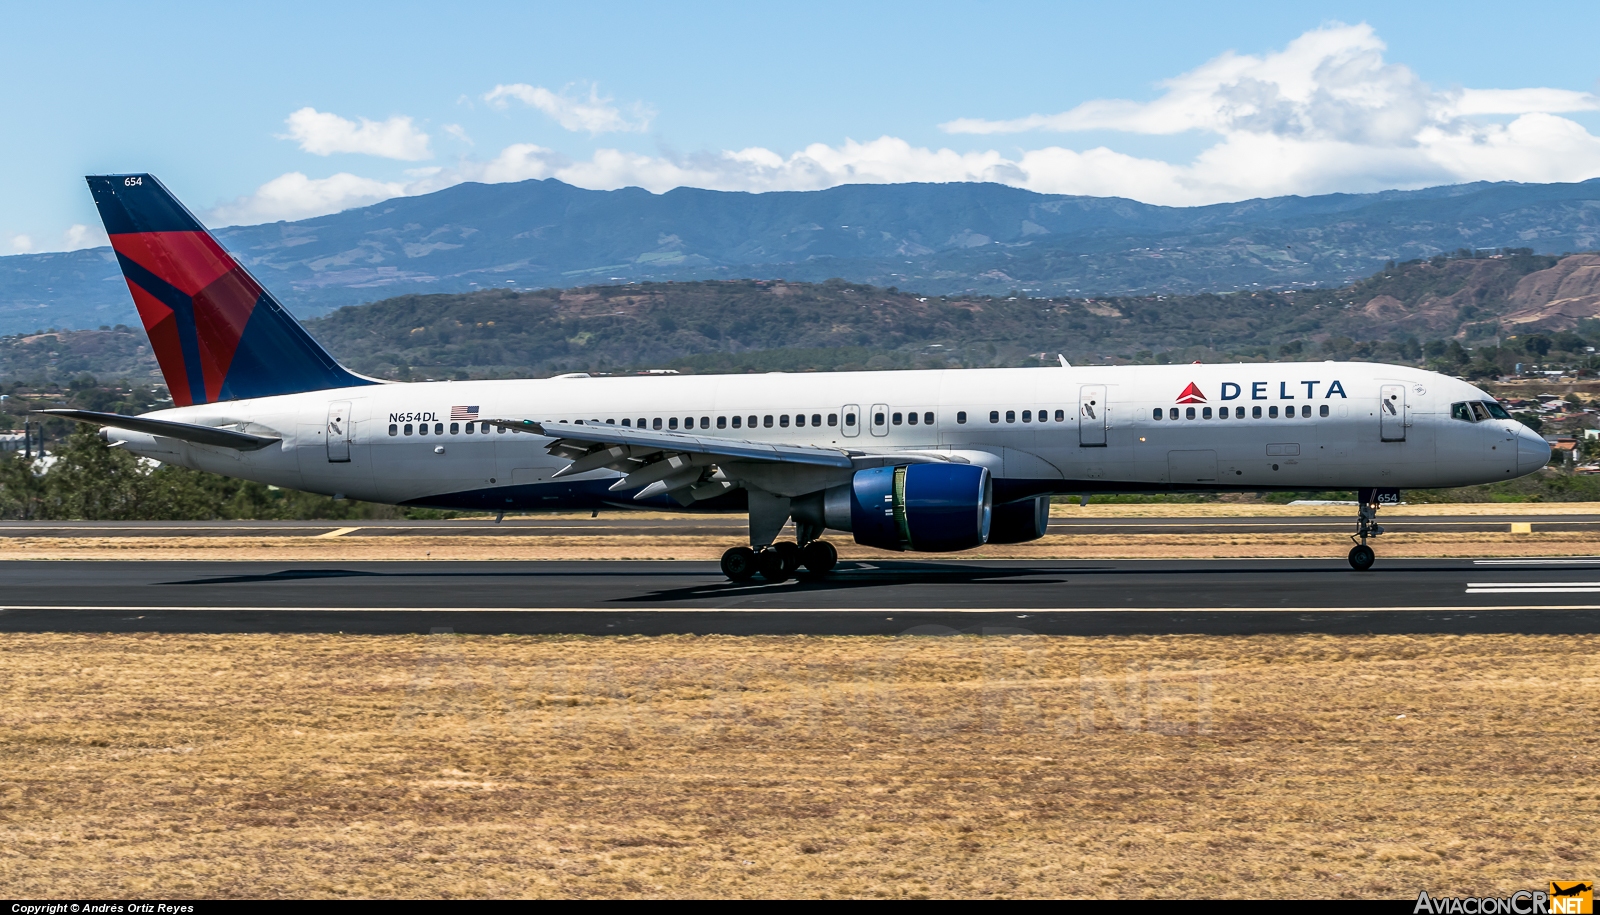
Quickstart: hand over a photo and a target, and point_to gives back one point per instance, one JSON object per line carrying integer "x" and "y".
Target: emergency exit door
{"x": 1092, "y": 416}
{"x": 338, "y": 432}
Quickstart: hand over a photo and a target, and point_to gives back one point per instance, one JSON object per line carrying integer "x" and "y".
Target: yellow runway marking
{"x": 337, "y": 533}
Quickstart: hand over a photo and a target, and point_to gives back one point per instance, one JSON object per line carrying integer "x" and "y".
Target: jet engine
{"x": 1019, "y": 522}
{"x": 929, "y": 508}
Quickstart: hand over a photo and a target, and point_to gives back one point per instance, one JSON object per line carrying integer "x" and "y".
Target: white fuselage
{"x": 1287, "y": 426}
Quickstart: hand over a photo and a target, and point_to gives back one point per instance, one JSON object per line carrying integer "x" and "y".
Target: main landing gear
{"x": 1361, "y": 555}
{"x": 780, "y": 561}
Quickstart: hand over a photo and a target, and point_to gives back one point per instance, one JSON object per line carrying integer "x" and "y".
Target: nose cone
{"x": 1533, "y": 452}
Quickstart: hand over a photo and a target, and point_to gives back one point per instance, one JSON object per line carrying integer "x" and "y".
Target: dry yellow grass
{"x": 447, "y": 766}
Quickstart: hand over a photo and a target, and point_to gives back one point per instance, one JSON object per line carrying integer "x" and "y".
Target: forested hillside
{"x": 1473, "y": 312}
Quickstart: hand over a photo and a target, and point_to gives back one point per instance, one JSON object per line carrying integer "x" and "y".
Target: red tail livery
{"x": 216, "y": 332}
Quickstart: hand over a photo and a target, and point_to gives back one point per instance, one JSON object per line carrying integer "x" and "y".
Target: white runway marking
{"x": 1036, "y": 611}
{"x": 1533, "y": 587}
{"x": 1535, "y": 562}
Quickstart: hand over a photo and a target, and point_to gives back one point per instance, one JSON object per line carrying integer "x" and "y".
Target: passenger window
{"x": 672, "y": 422}
{"x": 767, "y": 421}
{"x": 738, "y": 421}
{"x": 722, "y": 422}
{"x": 1238, "y": 412}
{"x": 784, "y": 420}
{"x": 849, "y": 419}
{"x": 1479, "y": 413}
{"x": 656, "y": 423}
{"x": 877, "y": 419}
{"x": 1173, "y": 414}
{"x": 899, "y": 418}
{"x": 994, "y": 416}
{"x": 1188, "y": 412}
{"x": 1061, "y": 416}
{"x": 800, "y": 419}
{"x": 688, "y": 422}
{"x": 455, "y": 428}
{"x": 1255, "y": 412}
{"x": 927, "y": 419}
{"x": 422, "y": 428}
{"x": 1027, "y": 416}
{"x": 438, "y": 428}
{"x": 408, "y": 428}
{"x": 1156, "y": 414}
{"x": 1322, "y": 410}
{"x": 1495, "y": 410}
{"x": 627, "y": 422}
{"x": 483, "y": 429}
{"x": 1011, "y": 416}
{"x": 1305, "y": 411}
{"x": 394, "y": 429}
{"x": 1272, "y": 412}
{"x": 961, "y": 418}
{"x": 705, "y": 422}
{"x": 833, "y": 419}
{"x": 753, "y": 422}
{"x": 911, "y": 418}
{"x": 1205, "y": 413}
{"x": 471, "y": 428}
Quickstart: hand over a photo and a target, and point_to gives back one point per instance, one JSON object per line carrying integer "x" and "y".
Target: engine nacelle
{"x": 1019, "y": 522}
{"x": 928, "y": 508}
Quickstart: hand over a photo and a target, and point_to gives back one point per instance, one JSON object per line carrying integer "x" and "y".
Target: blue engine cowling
{"x": 1019, "y": 522}
{"x": 929, "y": 508}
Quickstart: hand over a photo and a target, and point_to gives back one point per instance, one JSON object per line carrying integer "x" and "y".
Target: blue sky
{"x": 288, "y": 110}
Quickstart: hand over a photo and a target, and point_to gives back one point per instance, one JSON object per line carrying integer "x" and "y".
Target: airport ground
{"x": 312, "y": 711}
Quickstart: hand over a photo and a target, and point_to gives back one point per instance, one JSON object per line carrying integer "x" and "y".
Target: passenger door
{"x": 850, "y": 420}
{"x": 1392, "y": 415}
{"x": 338, "y": 432}
{"x": 1092, "y": 416}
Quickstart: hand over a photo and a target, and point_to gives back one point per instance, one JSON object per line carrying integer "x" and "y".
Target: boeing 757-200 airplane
{"x": 929, "y": 461}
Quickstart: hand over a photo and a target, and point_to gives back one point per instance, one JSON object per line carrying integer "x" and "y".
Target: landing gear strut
{"x": 1361, "y": 555}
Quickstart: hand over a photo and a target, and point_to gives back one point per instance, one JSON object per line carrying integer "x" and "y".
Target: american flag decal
{"x": 463, "y": 413}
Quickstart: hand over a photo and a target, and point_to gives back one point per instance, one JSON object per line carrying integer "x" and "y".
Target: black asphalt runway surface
{"x": 733, "y": 526}
{"x": 1091, "y": 597}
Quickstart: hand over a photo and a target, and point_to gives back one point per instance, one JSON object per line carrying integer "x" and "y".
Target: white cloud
{"x": 79, "y": 236}
{"x": 1327, "y": 113}
{"x": 459, "y": 132}
{"x": 22, "y": 244}
{"x": 294, "y": 196}
{"x": 594, "y": 115}
{"x": 323, "y": 133}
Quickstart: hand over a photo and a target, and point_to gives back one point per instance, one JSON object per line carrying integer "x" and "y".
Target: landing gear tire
{"x": 771, "y": 566}
{"x": 1362, "y": 557}
{"x": 790, "y": 553}
{"x": 739, "y": 563}
{"x": 819, "y": 557}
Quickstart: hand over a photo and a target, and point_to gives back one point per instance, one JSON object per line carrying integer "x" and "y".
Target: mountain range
{"x": 934, "y": 239}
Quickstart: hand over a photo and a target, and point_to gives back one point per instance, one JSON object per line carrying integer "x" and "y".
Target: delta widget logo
{"x": 1191, "y": 394}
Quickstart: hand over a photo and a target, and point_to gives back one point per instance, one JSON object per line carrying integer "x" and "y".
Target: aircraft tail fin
{"x": 216, "y": 332}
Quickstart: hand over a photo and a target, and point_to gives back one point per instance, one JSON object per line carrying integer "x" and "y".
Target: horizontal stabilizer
{"x": 183, "y": 432}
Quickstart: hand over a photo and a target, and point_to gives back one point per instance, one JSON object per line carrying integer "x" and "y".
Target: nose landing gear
{"x": 1361, "y": 555}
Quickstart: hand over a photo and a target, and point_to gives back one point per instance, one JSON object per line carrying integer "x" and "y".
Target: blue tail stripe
{"x": 183, "y": 312}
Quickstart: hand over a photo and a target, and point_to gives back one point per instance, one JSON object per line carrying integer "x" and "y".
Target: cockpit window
{"x": 1460, "y": 411}
{"x": 1479, "y": 413}
{"x": 1495, "y": 410}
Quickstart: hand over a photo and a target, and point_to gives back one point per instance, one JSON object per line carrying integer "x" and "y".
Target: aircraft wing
{"x": 645, "y": 440}
{"x": 184, "y": 432}
{"x": 690, "y": 467}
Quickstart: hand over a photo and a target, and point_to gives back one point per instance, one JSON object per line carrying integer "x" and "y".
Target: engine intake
{"x": 929, "y": 508}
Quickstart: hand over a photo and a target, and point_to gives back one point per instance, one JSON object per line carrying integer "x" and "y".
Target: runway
{"x": 1098, "y": 597}
{"x": 733, "y": 526}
